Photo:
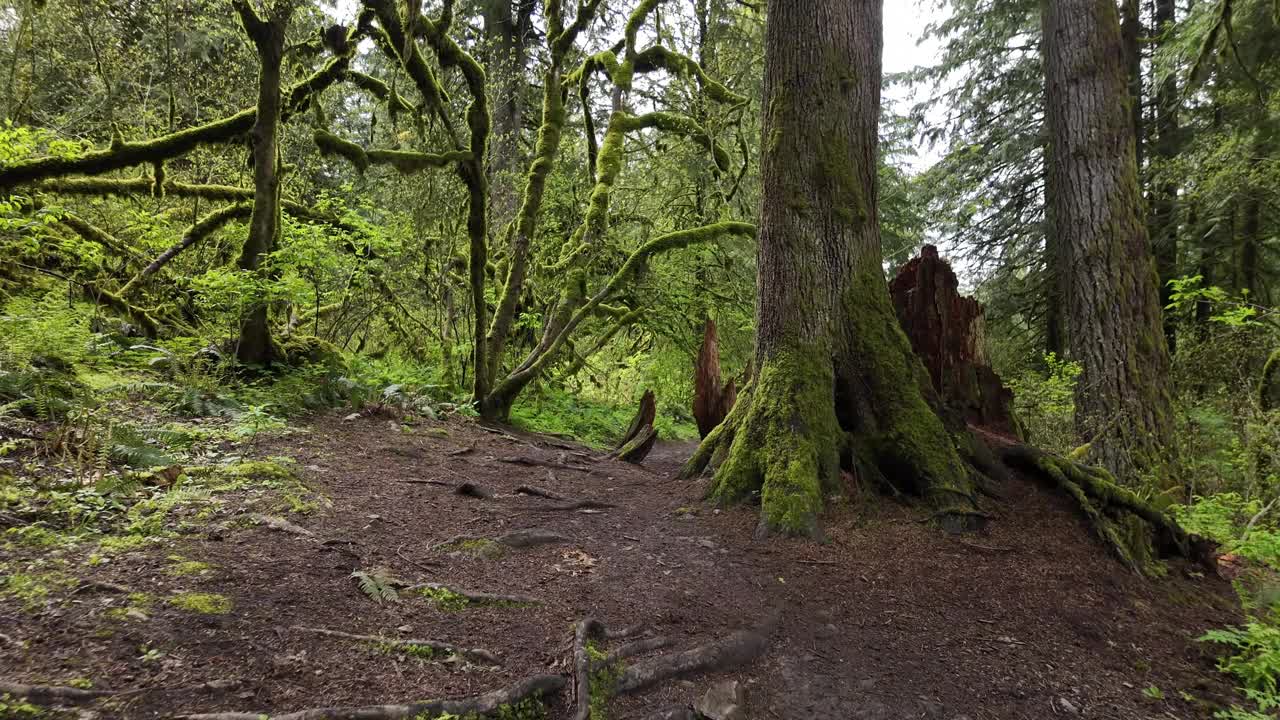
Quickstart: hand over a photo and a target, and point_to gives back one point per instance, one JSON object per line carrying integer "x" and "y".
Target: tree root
{"x": 52, "y": 694}
{"x": 539, "y": 492}
{"x": 528, "y": 537}
{"x": 479, "y": 598}
{"x": 473, "y": 654}
{"x": 57, "y": 695}
{"x": 484, "y": 705}
{"x": 735, "y": 650}
{"x": 1105, "y": 503}
{"x": 538, "y": 462}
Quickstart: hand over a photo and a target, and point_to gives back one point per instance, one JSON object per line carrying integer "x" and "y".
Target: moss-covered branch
{"x": 201, "y": 229}
{"x": 395, "y": 42}
{"x": 498, "y": 402}
{"x": 544, "y": 159}
{"x": 406, "y": 161}
{"x": 101, "y": 187}
{"x": 380, "y": 90}
{"x": 122, "y": 154}
{"x": 97, "y": 235}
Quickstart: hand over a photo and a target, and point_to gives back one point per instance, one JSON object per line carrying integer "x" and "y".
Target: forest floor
{"x": 889, "y": 618}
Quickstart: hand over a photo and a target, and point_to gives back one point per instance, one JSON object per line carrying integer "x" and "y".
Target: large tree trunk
{"x": 256, "y": 346}
{"x": 1164, "y": 194}
{"x": 835, "y": 375}
{"x": 1122, "y": 404}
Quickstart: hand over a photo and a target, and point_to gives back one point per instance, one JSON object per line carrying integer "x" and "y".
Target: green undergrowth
{"x": 556, "y": 412}
{"x": 1252, "y": 654}
{"x": 201, "y": 603}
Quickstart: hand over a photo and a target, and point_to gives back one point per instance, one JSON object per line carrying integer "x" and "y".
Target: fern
{"x": 378, "y": 587}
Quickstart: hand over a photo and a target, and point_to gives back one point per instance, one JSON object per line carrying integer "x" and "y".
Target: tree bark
{"x": 256, "y": 346}
{"x": 1122, "y": 403}
{"x": 1164, "y": 220}
{"x": 835, "y": 375}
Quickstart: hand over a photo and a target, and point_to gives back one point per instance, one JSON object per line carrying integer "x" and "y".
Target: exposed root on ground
{"x": 1109, "y": 507}
{"x": 532, "y": 688}
{"x": 529, "y": 537}
{"x": 281, "y": 525}
{"x": 58, "y": 695}
{"x": 539, "y": 492}
{"x": 598, "y": 676}
{"x": 568, "y": 504}
{"x": 539, "y": 462}
{"x": 473, "y": 654}
{"x": 478, "y": 597}
{"x": 52, "y": 694}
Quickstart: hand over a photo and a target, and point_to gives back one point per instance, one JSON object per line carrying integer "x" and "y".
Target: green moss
{"x": 838, "y": 168}
{"x": 201, "y": 603}
{"x": 32, "y": 588}
{"x": 411, "y": 649}
{"x": 479, "y": 548}
{"x": 787, "y": 447}
{"x": 603, "y": 682}
{"x": 1269, "y": 388}
{"x": 182, "y": 567}
{"x": 444, "y": 598}
{"x": 118, "y": 544}
{"x": 908, "y": 442}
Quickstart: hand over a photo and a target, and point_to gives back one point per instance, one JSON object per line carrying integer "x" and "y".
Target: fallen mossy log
{"x": 599, "y": 676}
{"x": 486, "y": 705}
{"x": 1108, "y": 506}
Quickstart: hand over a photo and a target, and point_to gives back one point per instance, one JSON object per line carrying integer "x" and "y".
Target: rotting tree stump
{"x": 946, "y": 330}
{"x": 711, "y": 401}
{"x": 641, "y": 435}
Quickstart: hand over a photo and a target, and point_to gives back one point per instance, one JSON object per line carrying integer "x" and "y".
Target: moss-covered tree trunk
{"x": 836, "y": 382}
{"x": 268, "y": 34}
{"x": 1113, "y": 308}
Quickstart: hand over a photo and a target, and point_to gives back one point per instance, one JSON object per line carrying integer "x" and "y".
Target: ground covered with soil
{"x": 397, "y": 532}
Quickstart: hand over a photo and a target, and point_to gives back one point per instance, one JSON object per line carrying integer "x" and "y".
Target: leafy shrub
{"x": 1044, "y": 402}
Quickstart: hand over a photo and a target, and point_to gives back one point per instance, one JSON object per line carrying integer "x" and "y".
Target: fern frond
{"x": 377, "y": 587}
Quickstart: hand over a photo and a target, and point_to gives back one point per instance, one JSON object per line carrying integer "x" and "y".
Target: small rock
{"x": 405, "y": 628}
{"x": 709, "y": 544}
{"x": 724, "y": 701}
{"x": 1066, "y": 706}
{"x": 136, "y": 614}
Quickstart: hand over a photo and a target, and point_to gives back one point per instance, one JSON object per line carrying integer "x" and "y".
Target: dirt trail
{"x": 888, "y": 619}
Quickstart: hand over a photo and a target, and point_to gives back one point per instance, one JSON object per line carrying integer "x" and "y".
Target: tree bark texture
{"x": 268, "y": 34}
{"x": 1113, "y": 308}
{"x": 1164, "y": 194}
{"x": 835, "y": 377}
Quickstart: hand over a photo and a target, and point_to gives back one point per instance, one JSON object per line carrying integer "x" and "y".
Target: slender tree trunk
{"x": 507, "y": 30}
{"x": 268, "y": 34}
{"x": 1164, "y": 218}
{"x": 1122, "y": 403}
{"x": 835, "y": 375}
{"x": 1055, "y": 331}
{"x": 1131, "y": 39}
{"x": 1249, "y": 242}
